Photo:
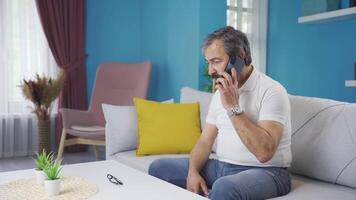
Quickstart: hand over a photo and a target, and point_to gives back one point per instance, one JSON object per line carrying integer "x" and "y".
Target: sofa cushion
{"x": 309, "y": 189}
{"x": 324, "y": 139}
{"x": 143, "y": 162}
{"x": 190, "y": 95}
{"x": 302, "y": 188}
{"x": 166, "y": 128}
{"x": 121, "y": 127}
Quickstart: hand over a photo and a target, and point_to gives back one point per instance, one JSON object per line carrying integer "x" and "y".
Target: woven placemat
{"x": 72, "y": 188}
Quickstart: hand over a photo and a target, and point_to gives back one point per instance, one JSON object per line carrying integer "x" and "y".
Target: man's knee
{"x": 158, "y": 168}
{"x": 225, "y": 189}
{"x": 251, "y": 184}
{"x": 171, "y": 170}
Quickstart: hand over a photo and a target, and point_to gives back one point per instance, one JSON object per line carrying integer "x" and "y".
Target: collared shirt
{"x": 261, "y": 98}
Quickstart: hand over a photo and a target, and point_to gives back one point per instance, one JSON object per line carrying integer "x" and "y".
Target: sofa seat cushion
{"x": 310, "y": 189}
{"x": 142, "y": 163}
{"x": 302, "y": 187}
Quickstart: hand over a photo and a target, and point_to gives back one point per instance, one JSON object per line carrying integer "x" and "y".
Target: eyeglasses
{"x": 114, "y": 180}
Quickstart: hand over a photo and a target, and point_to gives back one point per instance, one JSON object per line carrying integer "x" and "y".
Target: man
{"x": 249, "y": 116}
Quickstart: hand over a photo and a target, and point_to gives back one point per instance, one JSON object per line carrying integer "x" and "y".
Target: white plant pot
{"x": 40, "y": 176}
{"x": 52, "y": 187}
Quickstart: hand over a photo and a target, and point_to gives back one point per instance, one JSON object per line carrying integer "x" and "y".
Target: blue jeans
{"x": 227, "y": 181}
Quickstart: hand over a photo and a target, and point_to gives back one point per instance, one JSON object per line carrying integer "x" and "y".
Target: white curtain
{"x": 18, "y": 135}
{"x": 23, "y": 53}
{"x": 250, "y": 16}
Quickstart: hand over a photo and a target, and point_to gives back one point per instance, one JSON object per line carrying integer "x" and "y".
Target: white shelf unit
{"x": 340, "y": 14}
{"x": 350, "y": 83}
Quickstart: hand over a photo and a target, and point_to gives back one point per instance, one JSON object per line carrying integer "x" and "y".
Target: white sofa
{"x": 323, "y": 147}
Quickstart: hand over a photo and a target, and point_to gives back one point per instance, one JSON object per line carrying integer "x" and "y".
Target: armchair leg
{"x": 96, "y": 152}
{"x": 61, "y": 145}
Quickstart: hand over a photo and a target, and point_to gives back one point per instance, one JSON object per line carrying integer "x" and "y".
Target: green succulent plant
{"x": 52, "y": 170}
{"x": 43, "y": 159}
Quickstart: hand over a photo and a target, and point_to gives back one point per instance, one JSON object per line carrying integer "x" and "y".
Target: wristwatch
{"x": 234, "y": 111}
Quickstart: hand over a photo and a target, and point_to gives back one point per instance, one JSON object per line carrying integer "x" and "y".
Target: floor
{"x": 18, "y": 163}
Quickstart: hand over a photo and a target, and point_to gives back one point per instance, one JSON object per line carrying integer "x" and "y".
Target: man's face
{"x": 216, "y": 57}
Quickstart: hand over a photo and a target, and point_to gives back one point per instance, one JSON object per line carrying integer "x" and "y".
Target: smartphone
{"x": 235, "y": 62}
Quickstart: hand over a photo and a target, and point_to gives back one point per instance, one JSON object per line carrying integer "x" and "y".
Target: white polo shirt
{"x": 261, "y": 98}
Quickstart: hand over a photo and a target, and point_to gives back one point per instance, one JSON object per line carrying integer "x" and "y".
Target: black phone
{"x": 235, "y": 62}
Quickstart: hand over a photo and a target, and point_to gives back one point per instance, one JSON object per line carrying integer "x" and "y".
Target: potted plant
{"x": 52, "y": 183}
{"x": 42, "y": 160}
{"x": 42, "y": 92}
{"x": 208, "y": 86}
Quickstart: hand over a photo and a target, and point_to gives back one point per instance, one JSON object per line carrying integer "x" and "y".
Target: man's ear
{"x": 242, "y": 55}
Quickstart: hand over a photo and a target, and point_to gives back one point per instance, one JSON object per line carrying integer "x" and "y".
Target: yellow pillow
{"x": 166, "y": 128}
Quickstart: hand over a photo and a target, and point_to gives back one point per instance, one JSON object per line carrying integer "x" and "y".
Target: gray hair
{"x": 234, "y": 42}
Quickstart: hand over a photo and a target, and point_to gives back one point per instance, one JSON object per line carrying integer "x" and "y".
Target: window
{"x": 250, "y": 17}
{"x": 23, "y": 52}
{"x": 239, "y": 15}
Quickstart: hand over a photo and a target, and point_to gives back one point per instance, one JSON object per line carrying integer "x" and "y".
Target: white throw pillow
{"x": 190, "y": 95}
{"x": 121, "y": 127}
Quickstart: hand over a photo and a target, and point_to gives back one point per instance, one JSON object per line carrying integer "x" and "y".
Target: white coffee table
{"x": 137, "y": 185}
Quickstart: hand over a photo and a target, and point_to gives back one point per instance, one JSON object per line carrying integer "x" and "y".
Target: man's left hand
{"x": 228, "y": 88}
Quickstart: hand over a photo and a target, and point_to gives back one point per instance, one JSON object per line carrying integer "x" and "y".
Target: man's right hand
{"x": 196, "y": 183}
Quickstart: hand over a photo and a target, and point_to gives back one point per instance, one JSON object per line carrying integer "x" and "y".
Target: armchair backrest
{"x": 117, "y": 84}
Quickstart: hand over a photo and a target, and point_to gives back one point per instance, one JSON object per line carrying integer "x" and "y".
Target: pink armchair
{"x": 116, "y": 84}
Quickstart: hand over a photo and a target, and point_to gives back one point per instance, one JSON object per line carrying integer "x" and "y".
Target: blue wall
{"x": 113, "y": 29}
{"x": 167, "y": 32}
{"x": 212, "y": 17}
{"x": 170, "y": 40}
{"x": 311, "y": 60}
